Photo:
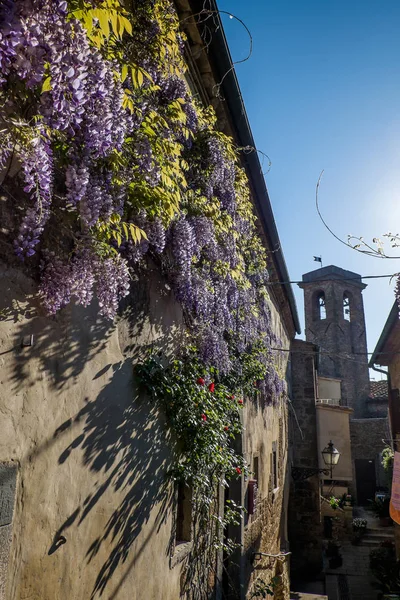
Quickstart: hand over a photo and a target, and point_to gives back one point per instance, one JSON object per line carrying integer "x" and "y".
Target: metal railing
{"x": 329, "y": 401}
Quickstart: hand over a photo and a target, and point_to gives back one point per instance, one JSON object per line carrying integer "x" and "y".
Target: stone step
{"x": 370, "y": 543}
{"x": 306, "y": 596}
{"x": 381, "y": 529}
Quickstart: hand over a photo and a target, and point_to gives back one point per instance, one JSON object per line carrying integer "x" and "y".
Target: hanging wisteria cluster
{"x": 114, "y": 150}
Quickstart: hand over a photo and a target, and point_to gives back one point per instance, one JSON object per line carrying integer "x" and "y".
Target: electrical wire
{"x": 336, "y": 279}
{"x": 336, "y": 354}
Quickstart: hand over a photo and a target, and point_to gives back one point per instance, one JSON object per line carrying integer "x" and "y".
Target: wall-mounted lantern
{"x": 331, "y": 456}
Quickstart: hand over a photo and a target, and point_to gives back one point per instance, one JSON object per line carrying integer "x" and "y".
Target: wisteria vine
{"x": 113, "y": 147}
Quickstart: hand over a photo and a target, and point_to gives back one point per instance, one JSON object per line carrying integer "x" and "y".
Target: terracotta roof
{"x": 378, "y": 389}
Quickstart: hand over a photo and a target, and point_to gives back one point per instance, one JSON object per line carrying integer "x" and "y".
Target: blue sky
{"x": 322, "y": 91}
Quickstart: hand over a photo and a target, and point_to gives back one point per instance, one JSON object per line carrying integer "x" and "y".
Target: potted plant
{"x": 386, "y": 569}
{"x": 381, "y": 509}
{"x": 359, "y": 529}
{"x": 334, "y": 502}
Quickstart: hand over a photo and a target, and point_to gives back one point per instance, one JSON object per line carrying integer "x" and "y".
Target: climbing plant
{"x": 118, "y": 162}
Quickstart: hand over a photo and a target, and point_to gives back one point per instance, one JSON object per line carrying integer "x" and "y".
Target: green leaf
{"x": 46, "y": 87}
{"x": 126, "y": 24}
{"x": 104, "y": 17}
{"x": 124, "y": 72}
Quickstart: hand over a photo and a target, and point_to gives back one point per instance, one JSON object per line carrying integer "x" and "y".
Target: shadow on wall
{"x": 65, "y": 343}
{"x": 62, "y": 344}
{"x": 126, "y": 442}
{"x": 122, "y": 437}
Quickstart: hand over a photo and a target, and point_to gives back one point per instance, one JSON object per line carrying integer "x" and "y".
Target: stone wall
{"x": 342, "y": 519}
{"x": 367, "y": 441}
{"x": 305, "y": 528}
{"x": 337, "y": 337}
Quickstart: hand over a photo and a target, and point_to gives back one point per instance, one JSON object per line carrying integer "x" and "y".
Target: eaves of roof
{"x": 220, "y": 58}
{"x": 392, "y": 319}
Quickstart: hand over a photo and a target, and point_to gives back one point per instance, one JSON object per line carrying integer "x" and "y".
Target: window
{"x": 183, "y": 514}
{"x": 255, "y": 469}
{"x": 274, "y": 466}
{"x": 346, "y": 307}
{"x": 321, "y": 306}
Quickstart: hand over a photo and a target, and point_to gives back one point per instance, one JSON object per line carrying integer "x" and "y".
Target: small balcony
{"x": 329, "y": 401}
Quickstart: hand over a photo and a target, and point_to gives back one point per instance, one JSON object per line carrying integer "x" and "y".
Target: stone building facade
{"x": 305, "y": 526}
{"x": 87, "y": 507}
{"x": 332, "y": 400}
{"x": 334, "y": 319}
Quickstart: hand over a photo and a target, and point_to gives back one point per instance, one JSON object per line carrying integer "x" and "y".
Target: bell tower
{"x": 334, "y": 320}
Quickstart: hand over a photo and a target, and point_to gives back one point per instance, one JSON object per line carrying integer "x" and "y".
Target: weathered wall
{"x": 305, "y": 529}
{"x": 266, "y": 432}
{"x": 93, "y": 509}
{"x": 264, "y": 531}
{"x": 329, "y": 388}
{"x": 93, "y": 506}
{"x": 367, "y": 441}
{"x": 333, "y": 424}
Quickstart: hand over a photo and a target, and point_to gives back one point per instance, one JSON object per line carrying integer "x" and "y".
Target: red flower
{"x": 200, "y": 381}
{"x": 211, "y": 387}
{"x": 231, "y": 397}
{"x": 226, "y": 428}
{"x": 238, "y": 470}
{"x": 240, "y": 401}
{"x": 204, "y": 417}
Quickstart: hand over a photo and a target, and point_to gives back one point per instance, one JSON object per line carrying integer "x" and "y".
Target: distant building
{"x": 337, "y": 403}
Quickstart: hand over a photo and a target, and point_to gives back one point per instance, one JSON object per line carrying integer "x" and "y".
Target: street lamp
{"x": 331, "y": 456}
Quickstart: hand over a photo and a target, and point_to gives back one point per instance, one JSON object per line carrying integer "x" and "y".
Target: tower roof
{"x": 333, "y": 273}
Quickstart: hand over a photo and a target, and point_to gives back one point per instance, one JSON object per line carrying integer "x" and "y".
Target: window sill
{"x": 181, "y": 551}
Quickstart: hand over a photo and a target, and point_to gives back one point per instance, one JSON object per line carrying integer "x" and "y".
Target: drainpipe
{"x": 374, "y": 368}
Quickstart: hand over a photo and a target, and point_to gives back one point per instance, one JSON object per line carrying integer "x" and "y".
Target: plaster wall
{"x": 333, "y": 424}
{"x": 329, "y": 388}
{"x": 93, "y": 508}
{"x": 93, "y": 504}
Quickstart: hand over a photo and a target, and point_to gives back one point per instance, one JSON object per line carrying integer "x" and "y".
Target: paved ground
{"x": 355, "y": 581}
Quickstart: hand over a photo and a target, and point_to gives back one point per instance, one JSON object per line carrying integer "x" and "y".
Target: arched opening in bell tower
{"x": 321, "y": 306}
{"x": 346, "y": 307}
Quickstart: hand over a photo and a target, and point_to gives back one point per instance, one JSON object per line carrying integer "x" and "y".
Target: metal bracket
{"x": 303, "y": 473}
